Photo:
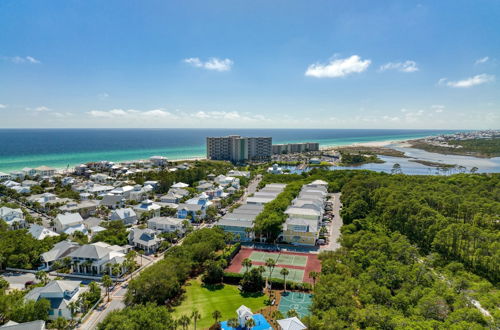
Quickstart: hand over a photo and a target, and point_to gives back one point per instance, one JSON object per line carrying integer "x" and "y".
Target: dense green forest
{"x": 415, "y": 251}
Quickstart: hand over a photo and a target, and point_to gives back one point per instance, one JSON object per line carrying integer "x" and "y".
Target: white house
{"x": 291, "y": 323}
{"x": 144, "y": 239}
{"x": 158, "y": 160}
{"x": 45, "y": 171}
{"x": 126, "y": 215}
{"x": 65, "y": 220}
{"x": 275, "y": 169}
{"x": 166, "y": 224}
{"x": 59, "y": 251}
{"x": 4, "y": 176}
{"x": 13, "y": 217}
{"x": 40, "y": 232}
{"x": 29, "y": 171}
{"x": 148, "y": 206}
{"x": 60, "y": 294}
{"x": 97, "y": 258}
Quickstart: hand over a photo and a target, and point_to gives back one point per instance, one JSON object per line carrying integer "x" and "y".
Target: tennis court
{"x": 299, "y": 301}
{"x": 298, "y": 264}
{"x": 294, "y": 275}
{"x": 280, "y": 259}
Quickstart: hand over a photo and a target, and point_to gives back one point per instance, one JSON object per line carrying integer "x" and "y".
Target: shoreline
{"x": 373, "y": 144}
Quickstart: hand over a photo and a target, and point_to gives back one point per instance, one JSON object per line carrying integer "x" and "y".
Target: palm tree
{"x": 292, "y": 313}
{"x": 314, "y": 275}
{"x": 184, "y": 321}
{"x": 216, "y": 315}
{"x": 233, "y": 323}
{"x": 270, "y": 264}
{"x": 277, "y": 315}
{"x": 284, "y": 272}
{"x": 73, "y": 306}
{"x": 195, "y": 315}
{"x": 107, "y": 282}
{"x": 247, "y": 263}
{"x": 42, "y": 276}
{"x": 250, "y": 323}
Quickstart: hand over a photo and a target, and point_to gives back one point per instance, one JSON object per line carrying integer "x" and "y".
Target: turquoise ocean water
{"x": 67, "y": 147}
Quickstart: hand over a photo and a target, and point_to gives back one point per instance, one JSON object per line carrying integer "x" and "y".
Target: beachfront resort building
{"x": 239, "y": 149}
{"x": 292, "y": 148}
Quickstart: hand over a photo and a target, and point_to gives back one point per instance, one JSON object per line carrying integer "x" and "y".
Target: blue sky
{"x": 279, "y": 63}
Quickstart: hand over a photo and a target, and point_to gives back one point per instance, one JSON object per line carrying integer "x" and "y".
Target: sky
{"x": 250, "y": 64}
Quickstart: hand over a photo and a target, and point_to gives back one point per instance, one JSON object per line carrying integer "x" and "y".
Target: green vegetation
{"x": 147, "y": 316}
{"x": 366, "y": 150}
{"x": 162, "y": 282}
{"x": 14, "y": 307}
{"x": 352, "y": 159}
{"x": 432, "y": 164}
{"x": 208, "y": 299}
{"x": 486, "y": 148}
{"x": 410, "y": 246}
{"x": 18, "y": 249}
{"x": 115, "y": 233}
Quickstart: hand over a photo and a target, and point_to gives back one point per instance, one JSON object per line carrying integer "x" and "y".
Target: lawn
{"x": 225, "y": 299}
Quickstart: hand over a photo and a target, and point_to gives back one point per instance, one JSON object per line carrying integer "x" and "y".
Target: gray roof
{"x": 235, "y": 223}
{"x": 312, "y": 224}
{"x": 121, "y": 213}
{"x": 111, "y": 200}
{"x": 90, "y": 251}
{"x": 60, "y": 250}
{"x": 190, "y": 207}
{"x": 302, "y": 211}
{"x": 69, "y": 218}
{"x": 52, "y": 291}
{"x": 145, "y": 237}
{"x": 33, "y": 325}
{"x": 240, "y": 217}
{"x": 166, "y": 221}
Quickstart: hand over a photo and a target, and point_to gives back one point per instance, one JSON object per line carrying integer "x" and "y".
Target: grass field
{"x": 283, "y": 259}
{"x": 294, "y": 275}
{"x": 225, "y": 299}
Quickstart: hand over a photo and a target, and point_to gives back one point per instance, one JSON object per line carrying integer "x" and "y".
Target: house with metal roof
{"x": 60, "y": 294}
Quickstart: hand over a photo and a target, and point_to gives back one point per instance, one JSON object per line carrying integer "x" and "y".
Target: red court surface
{"x": 312, "y": 264}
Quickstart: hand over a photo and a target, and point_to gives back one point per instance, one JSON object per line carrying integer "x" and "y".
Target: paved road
{"x": 334, "y": 228}
{"x": 117, "y": 296}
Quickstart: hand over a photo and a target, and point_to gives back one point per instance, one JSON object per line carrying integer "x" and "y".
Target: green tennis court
{"x": 294, "y": 275}
{"x": 282, "y": 259}
{"x": 299, "y": 301}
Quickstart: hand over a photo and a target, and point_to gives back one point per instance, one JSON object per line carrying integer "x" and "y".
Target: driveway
{"x": 334, "y": 227}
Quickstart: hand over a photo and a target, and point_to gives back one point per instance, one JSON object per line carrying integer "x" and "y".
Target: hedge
{"x": 278, "y": 284}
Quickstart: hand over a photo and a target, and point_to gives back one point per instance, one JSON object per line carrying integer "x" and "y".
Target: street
{"x": 334, "y": 227}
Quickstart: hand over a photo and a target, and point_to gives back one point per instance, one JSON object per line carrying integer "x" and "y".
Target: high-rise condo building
{"x": 238, "y": 149}
{"x": 292, "y": 148}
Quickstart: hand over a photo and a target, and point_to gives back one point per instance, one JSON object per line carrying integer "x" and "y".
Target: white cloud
{"x": 482, "y": 60}
{"x": 437, "y": 108}
{"x": 41, "y": 109}
{"x": 338, "y": 67}
{"x": 406, "y": 66}
{"x": 103, "y": 96}
{"x": 3, "y": 106}
{"x": 131, "y": 114}
{"x": 213, "y": 63}
{"x": 469, "y": 82}
{"x": 21, "y": 59}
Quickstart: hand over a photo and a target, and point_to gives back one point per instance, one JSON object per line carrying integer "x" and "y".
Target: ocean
{"x": 68, "y": 147}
